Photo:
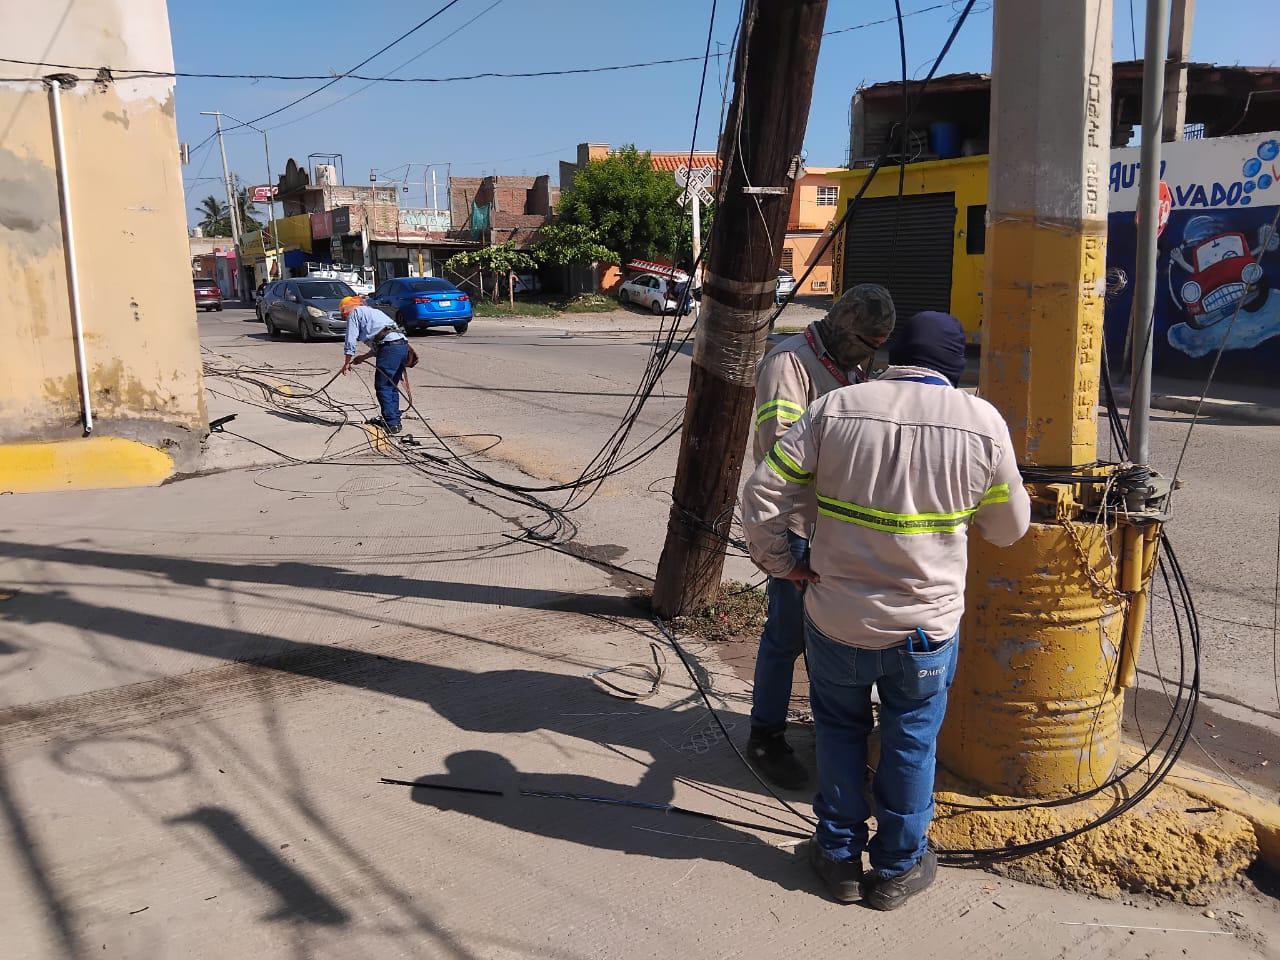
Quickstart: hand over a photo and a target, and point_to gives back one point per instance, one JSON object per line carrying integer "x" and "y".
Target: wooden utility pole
{"x": 1181, "y": 15}
{"x": 759, "y": 158}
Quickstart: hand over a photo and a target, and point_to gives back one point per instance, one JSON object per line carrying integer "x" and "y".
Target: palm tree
{"x": 215, "y": 217}
{"x": 248, "y": 221}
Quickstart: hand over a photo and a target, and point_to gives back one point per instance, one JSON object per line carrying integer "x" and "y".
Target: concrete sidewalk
{"x": 202, "y": 684}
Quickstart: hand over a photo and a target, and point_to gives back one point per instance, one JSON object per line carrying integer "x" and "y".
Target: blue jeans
{"x": 913, "y": 689}
{"x": 390, "y": 363}
{"x": 780, "y": 643}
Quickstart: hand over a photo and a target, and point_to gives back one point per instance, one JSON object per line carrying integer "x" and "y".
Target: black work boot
{"x": 892, "y": 892}
{"x": 843, "y": 878}
{"x": 774, "y": 758}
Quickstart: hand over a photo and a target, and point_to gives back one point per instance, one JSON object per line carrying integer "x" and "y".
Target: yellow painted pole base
{"x": 1035, "y": 710}
{"x": 91, "y": 463}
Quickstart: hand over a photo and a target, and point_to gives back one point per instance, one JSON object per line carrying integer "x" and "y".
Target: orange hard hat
{"x": 347, "y": 304}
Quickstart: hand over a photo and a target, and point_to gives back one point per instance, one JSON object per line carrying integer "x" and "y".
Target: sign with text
{"x": 264, "y": 194}
{"x": 698, "y": 181}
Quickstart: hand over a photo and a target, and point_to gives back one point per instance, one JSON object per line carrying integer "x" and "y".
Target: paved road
{"x": 554, "y": 390}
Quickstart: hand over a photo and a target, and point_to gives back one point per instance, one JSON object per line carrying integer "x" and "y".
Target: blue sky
{"x": 525, "y": 126}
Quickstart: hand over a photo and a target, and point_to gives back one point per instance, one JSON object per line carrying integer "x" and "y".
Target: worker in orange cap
{"x": 390, "y": 348}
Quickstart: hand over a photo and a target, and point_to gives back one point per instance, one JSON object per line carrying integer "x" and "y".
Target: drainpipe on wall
{"x": 55, "y": 83}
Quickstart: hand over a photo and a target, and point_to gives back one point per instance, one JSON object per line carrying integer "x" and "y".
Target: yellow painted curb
{"x": 1262, "y": 815}
{"x": 91, "y": 463}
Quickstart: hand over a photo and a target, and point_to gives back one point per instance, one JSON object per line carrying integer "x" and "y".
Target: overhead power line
{"x": 388, "y": 75}
{"x": 135, "y": 74}
{"x": 325, "y": 86}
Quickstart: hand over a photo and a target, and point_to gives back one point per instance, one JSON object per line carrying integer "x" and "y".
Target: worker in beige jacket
{"x": 900, "y": 468}
{"x": 826, "y": 356}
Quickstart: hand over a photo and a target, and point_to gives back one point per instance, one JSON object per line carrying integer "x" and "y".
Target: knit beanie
{"x": 930, "y": 339}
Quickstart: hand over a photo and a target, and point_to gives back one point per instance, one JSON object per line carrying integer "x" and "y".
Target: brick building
{"x": 496, "y": 209}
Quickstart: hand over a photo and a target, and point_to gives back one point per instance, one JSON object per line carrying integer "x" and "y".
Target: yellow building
{"x": 814, "y": 203}
{"x": 936, "y": 261}
{"x": 100, "y": 374}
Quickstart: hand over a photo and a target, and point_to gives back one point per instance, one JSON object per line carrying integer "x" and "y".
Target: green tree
{"x": 214, "y": 218}
{"x": 567, "y": 244}
{"x": 629, "y": 207}
{"x": 248, "y": 218}
{"x": 501, "y": 261}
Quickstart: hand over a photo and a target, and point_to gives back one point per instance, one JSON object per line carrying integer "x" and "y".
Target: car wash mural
{"x": 1217, "y": 271}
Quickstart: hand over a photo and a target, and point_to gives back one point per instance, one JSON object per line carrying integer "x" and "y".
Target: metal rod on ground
{"x": 607, "y": 801}
{"x": 1144, "y": 294}
{"x": 759, "y": 151}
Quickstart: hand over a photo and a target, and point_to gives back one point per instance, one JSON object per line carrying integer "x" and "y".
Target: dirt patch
{"x": 1160, "y": 849}
{"x": 737, "y": 612}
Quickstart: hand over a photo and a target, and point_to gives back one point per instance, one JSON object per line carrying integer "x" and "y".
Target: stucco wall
{"x": 132, "y": 252}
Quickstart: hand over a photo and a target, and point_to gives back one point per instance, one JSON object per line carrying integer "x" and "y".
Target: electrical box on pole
{"x": 759, "y": 148}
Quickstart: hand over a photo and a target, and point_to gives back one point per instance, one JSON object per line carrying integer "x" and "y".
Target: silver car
{"x": 306, "y": 307}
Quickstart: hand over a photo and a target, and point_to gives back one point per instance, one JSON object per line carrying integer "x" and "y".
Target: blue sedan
{"x": 417, "y": 303}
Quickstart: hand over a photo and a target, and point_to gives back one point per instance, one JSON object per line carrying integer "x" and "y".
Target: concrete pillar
{"x": 1181, "y": 15}
{"x": 1034, "y": 709}
{"x": 1047, "y": 214}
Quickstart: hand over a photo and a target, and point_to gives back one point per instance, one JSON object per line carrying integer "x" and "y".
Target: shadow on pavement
{"x": 298, "y": 900}
{"x": 630, "y": 831}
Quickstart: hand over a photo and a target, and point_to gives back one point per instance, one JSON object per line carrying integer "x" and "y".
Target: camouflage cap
{"x": 862, "y": 317}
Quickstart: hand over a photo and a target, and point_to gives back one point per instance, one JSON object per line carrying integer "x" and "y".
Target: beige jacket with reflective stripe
{"x": 788, "y": 379}
{"x": 899, "y": 471}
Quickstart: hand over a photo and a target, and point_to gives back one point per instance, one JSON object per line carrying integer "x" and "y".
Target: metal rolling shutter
{"x": 921, "y": 276}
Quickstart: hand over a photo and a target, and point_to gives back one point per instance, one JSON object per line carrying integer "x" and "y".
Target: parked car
{"x": 417, "y": 303}
{"x": 306, "y": 307}
{"x": 659, "y": 294}
{"x": 786, "y": 283}
{"x": 208, "y": 296}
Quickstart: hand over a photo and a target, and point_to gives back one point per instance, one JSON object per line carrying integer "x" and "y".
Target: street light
{"x": 271, "y": 205}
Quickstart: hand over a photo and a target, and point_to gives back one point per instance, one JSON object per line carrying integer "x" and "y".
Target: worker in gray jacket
{"x": 829, "y": 354}
{"x": 899, "y": 468}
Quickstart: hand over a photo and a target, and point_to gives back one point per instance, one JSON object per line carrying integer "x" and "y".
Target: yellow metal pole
{"x": 1035, "y": 709}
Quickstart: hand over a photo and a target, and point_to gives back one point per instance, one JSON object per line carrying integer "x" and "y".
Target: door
{"x": 382, "y": 298}
{"x": 291, "y": 308}
{"x": 277, "y": 305}
{"x": 906, "y": 246}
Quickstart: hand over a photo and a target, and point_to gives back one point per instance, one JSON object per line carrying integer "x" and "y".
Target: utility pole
{"x": 231, "y": 200}
{"x": 1181, "y": 18}
{"x": 759, "y": 155}
{"x": 1035, "y": 708}
{"x": 271, "y": 204}
{"x": 1144, "y": 281}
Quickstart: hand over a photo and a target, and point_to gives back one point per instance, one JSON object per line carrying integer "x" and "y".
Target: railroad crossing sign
{"x": 698, "y": 181}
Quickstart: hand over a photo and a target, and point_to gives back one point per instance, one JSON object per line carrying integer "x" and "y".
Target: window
{"x": 324, "y": 289}
{"x": 828, "y": 196}
{"x": 975, "y": 231}
{"x": 428, "y": 285}
{"x": 788, "y": 259}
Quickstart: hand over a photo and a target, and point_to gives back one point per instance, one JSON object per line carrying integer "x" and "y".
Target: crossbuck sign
{"x": 698, "y": 181}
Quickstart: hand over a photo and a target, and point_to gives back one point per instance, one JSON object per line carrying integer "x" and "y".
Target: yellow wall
{"x": 141, "y": 346}
{"x": 966, "y": 177}
{"x": 294, "y": 234}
